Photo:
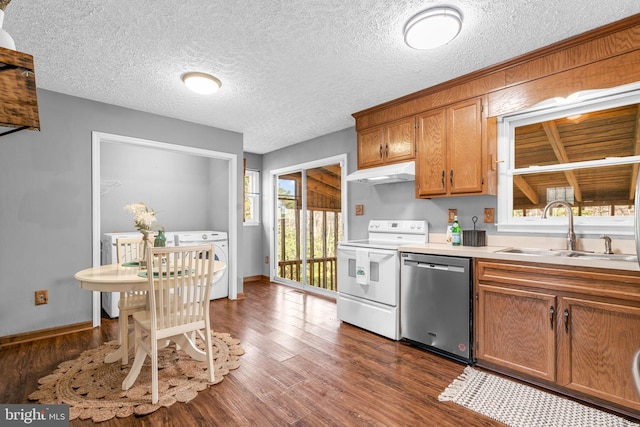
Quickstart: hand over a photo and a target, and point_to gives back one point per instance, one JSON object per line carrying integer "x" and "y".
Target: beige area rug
{"x": 93, "y": 389}
{"x": 518, "y": 405}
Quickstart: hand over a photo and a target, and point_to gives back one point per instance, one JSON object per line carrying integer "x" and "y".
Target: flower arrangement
{"x": 143, "y": 217}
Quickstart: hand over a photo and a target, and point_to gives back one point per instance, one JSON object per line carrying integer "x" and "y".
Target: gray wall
{"x": 385, "y": 201}
{"x": 179, "y": 187}
{"x": 252, "y": 258}
{"x": 45, "y": 203}
{"x": 397, "y": 201}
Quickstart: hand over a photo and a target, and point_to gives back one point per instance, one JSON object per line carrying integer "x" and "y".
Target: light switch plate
{"x": 359, "y": 209}
{"x": 452, "y": 214}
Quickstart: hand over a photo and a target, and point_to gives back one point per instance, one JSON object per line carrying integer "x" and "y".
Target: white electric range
{"x": 369, "y": 275}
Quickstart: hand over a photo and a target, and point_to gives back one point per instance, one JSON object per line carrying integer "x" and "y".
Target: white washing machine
{"x": 108, "y": 253}
{"x": 220, "y": 288}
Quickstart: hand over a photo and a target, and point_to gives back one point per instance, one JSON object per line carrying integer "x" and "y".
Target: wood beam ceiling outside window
{"x": 555, "y": 141}
{"x": 526, "y": 189}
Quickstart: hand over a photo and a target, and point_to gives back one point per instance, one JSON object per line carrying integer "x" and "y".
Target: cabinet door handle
{"x": 386, "y": 150}
{"x": 566, "y": 320}
{"x": 381, "y": 151}
{"x": 451, "y": 177}
{"x": 552, "y": 311}
{"x": 443, "y": 178}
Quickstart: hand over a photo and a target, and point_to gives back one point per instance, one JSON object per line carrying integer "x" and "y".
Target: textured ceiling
{"x": 291, "y": 70}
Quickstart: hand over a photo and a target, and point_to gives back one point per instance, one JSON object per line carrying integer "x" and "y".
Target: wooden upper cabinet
{"x": 400, "y": 141}
{"x": 452, "y": 151}
{"x": 466, "y": 155}
{"x": 431, "y": 153}
{"x": 390, "y": 143}
{"x": 370, "y": 147}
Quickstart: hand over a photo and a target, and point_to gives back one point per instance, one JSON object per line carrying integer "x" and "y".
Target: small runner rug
{"x": 93, "y": 389}
{"x": 518, "y": 405}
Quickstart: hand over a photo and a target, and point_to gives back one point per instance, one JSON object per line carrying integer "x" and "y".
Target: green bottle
{"x": 456, "y": 233}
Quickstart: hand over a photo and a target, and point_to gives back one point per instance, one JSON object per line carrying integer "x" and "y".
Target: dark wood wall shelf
{"x": 18, "y": 98}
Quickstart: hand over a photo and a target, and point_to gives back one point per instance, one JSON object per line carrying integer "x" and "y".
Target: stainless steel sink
{"x": 531, "y": 251}
{"x": 570, "y": 254}
{"x": 610, "y": 257}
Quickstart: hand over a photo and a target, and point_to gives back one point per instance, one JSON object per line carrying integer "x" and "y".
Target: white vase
{"x": 6, "y": 40}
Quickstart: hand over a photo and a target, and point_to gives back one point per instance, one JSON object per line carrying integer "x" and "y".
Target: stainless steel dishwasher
{"x": 436, "y": 304}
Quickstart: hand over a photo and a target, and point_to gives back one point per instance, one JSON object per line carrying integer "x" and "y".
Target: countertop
{"x": 490, "y": 252}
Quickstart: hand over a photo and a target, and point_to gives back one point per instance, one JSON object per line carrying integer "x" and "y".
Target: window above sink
{"x": 583, "y": 150}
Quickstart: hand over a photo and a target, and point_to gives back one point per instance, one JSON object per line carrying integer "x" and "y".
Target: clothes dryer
{"x": 219, "y": 288}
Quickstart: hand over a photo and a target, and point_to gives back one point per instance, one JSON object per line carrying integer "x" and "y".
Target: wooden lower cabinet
{"x": 597, "y": 342}
{"x": 572, "y": 330}
{"x": 513, "y": 330}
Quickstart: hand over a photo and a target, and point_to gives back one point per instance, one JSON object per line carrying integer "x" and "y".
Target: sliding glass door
{"x": 309, "y": 226}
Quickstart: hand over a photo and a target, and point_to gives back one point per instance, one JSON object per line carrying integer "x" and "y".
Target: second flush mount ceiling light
{"x": 433, "y": 27}
{"x": 201, "y": 83}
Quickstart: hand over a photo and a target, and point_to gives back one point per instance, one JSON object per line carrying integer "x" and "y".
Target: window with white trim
{"x": 251, "y": 197}
{"x": 583, "y": 150}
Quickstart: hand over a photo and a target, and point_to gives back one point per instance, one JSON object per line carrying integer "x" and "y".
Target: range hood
{"x": 399, "y": 172}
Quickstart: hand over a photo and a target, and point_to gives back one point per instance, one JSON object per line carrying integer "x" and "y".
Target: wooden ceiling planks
{"x": 610, "y": 133}
{"x": 323, "y": 187}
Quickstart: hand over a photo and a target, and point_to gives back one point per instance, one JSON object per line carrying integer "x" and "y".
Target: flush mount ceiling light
{"x": 201, "y": 83}
{"x": 432, "y": 27}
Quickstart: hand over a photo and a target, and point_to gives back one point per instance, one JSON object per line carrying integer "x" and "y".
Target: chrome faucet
{"x": 571, "y": 236}
{"x": 607, "y": 244}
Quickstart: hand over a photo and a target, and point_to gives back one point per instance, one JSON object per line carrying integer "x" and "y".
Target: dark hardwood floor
{"x": 301, "y": 367}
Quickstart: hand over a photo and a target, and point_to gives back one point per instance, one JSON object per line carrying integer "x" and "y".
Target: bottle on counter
{"x": 456, "y": 232}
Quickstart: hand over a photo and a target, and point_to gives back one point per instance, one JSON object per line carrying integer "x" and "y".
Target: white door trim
{"x": 99, "y": 137}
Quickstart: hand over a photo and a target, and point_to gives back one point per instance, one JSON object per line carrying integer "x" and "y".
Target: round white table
{"x": 120, "y": 278}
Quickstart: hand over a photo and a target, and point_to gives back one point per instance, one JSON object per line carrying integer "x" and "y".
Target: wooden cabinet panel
{"x": 370, "y": 147}
{"x": 399, "y": 141}
{"x": 465, "y": 154}
{"x": 516, "y": 329}
{"x": 611, "y": 72}
{"x": 391, "y": 143}
{"x": 431, "y": 156}
{"x": 597, "y": 344}
{"x": 452, "y": 151}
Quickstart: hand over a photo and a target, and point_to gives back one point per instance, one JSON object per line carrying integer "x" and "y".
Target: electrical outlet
{"x": 266, "y": 259}
{"x": 42, "y": 297}
{"x": 359, "y": 209}
{"x": 488, "y": 215}
{"x": 452, "y": 214}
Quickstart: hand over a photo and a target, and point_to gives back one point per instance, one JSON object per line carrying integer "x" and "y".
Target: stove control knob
{"x": 205, "y": 237}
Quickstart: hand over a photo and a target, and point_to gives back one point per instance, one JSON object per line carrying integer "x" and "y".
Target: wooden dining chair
{"x": 179, "y": 306}
{"x": 128, "y": 250}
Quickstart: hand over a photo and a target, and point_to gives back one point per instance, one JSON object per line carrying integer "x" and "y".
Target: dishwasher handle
{"x": 434, "y": 266}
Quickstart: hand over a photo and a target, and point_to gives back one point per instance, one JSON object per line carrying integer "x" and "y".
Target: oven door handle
{"x": 383, "y": 253}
